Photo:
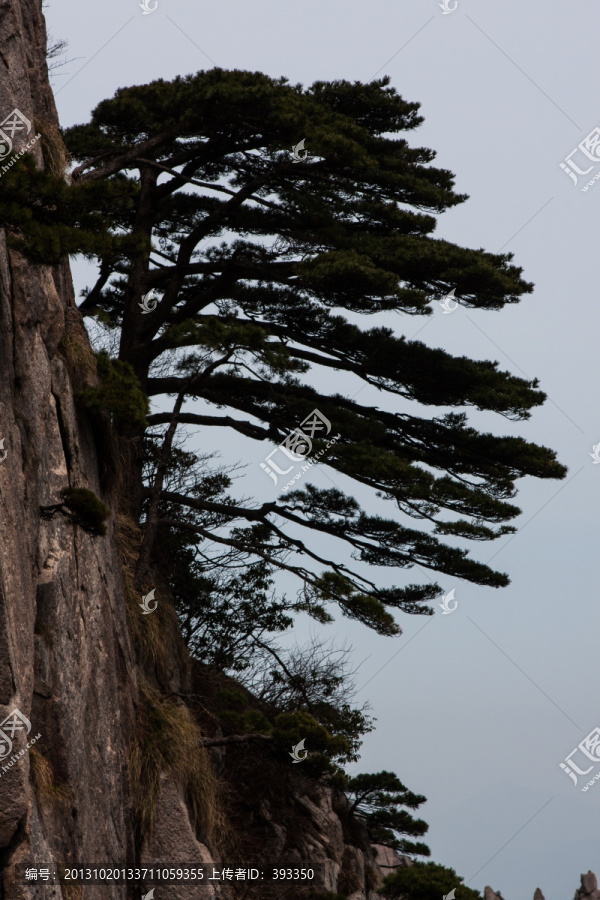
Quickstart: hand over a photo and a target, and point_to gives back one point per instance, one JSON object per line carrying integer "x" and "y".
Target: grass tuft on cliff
{"x": 166, "y": 742}
{"x": 154, "y": 636}
{"x": 49, "y": 794}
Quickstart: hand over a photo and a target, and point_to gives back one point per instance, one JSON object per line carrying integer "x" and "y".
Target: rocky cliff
{"x": 66, "y": 661}
{"x": 117, "y": 775}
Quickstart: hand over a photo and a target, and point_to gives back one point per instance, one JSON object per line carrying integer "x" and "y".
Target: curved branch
{"x": 120, "y": 162}
{"x": 185, "y": 179}
{"x": 260, "y": 515}
{"x": 246, "y": 428}
{"x": 91, "y": 301}
{"x": 182, "y": 525}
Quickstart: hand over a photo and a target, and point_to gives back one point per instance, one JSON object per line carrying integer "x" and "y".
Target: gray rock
{"x": 589, "y": 887}
{"x": 174, "y": 841}
{"x": 65, "y": 657}
{"x": 489, "y": 894}
{"x": 388, "y": 859}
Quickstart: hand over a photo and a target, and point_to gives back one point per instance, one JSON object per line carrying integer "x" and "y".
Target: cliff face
{"x": 67, "y": 662}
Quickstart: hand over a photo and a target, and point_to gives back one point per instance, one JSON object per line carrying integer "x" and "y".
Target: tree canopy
{"x": 426, "y": 881}
{"x": 234, "y": 277}
{"x": 377, "y": 799}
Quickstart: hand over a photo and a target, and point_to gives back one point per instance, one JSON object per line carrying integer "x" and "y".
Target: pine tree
{"x": 229, "y": 271}
{"x": 426, "y": 881}
{"x": 378, "y": 799}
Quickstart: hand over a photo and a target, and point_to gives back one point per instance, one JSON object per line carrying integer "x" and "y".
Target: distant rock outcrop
{"x": 587, "y": 891}
{"x": 489, "y": 894}
{"x": 589, "y": 888}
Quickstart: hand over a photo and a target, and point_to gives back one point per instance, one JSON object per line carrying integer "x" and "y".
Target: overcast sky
{"x": 476, "y": 709}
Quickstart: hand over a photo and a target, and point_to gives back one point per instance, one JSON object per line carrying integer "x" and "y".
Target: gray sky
{"x": 475, "y": 709}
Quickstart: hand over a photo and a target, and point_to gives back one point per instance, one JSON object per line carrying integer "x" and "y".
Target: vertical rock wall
{"x": 65, "y": 657}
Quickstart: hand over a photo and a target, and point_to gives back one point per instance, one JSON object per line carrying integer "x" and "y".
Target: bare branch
{"x": 246, "y": 428}
{"x": 233, "y": 739}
